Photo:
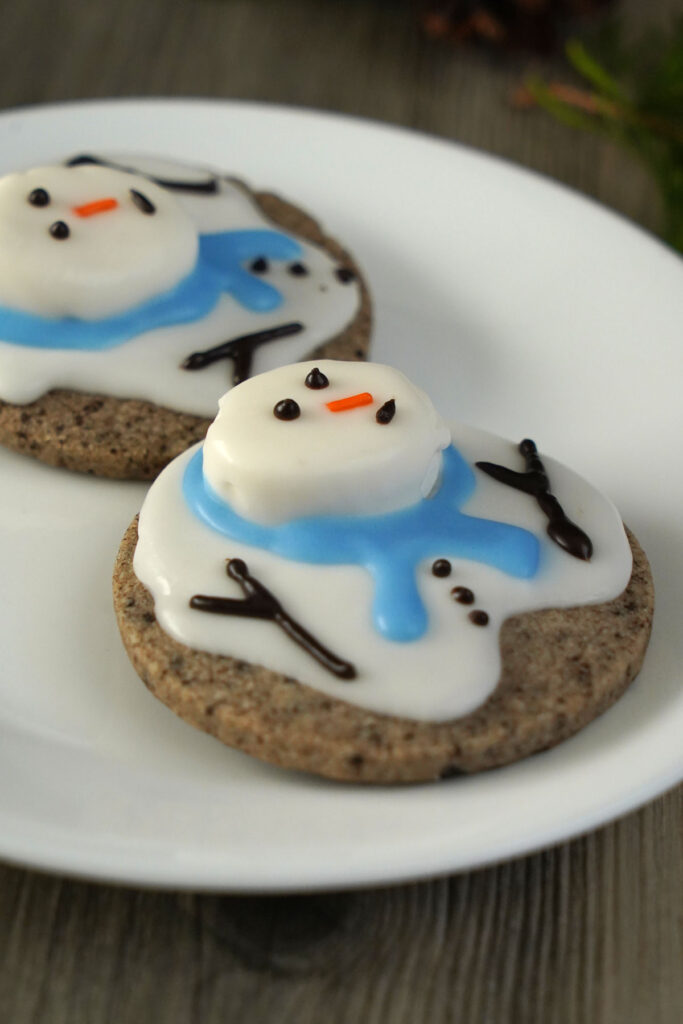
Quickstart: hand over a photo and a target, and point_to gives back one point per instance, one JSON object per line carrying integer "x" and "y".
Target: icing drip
{"x": 389, "y": 546}
{"x": 259, "y": 603}
{"x": 535, "y": 482}
{"x": 218, "y": 269}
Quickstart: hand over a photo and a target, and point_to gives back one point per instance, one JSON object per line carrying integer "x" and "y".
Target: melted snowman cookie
{"x": 129, "y": 302}
{"x": 401, "y": 611}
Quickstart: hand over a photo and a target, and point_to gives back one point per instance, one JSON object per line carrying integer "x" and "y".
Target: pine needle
{"x": 634, "y": 96}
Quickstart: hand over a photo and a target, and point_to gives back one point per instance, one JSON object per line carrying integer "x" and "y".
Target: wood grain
{"x": 587, "y": 933}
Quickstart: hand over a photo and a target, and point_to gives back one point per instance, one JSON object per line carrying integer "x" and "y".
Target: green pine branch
{"x": 633, "y": 94}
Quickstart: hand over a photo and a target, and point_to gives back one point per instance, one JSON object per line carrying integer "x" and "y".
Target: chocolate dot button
{"x": 386, "y": 413}
{"x": 287, "y": 409}
{"x": 316, "y": 379}
{"x": 478, "y": 617}
{"x": 441, "y": 567}
{"x": 463, "y": 595}
{"x": 39, "y": 197}
{"x": 345, "y": 275}
{"x": 298, "y": 270}
{"x": 59, "y": 230}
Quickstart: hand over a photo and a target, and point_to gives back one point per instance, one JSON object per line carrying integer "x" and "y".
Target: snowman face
{"x": 324, "y": 438}
{"x": 89, "y": 241}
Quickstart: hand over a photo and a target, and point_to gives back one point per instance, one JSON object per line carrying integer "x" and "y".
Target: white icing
{"x": 446, "y": 673}
{"x": 111, "y": 261}
{"x": 149, "y": 365}
{"x": 323, "y": 463}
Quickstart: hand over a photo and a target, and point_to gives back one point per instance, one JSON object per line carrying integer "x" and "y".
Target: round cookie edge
{"x": 132, "y": 439}
{"x": 561, "y": 669}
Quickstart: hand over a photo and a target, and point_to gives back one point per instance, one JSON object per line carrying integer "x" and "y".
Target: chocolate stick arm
{"x": 338, "y": 667}
{"x": 209, "y": 185}
{"x": 532, "y": 460}
{"x": 230, "y": 606}
{"x": 231, "y": 349}
{"x": 261, "y": 597}
{"x": 566, "y": 534}
{"x": 241, "y": 363}
{"x": 561, "y": 529}
{"x": 520, "y": 481}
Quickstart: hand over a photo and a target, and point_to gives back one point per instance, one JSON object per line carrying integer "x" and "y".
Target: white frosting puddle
{"x": 113, "y": 260}
{"x": 455, "y": 665}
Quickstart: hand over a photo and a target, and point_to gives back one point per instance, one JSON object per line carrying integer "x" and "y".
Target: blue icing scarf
{"x": 389, "y": 546}
{"x": 218, "y": 269}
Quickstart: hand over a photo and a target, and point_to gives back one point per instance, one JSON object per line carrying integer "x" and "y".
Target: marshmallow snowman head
{"x": 324, "y": 438}
{"x": 89, "y": 241}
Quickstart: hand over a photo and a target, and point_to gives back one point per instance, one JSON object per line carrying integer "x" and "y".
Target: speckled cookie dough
{"x": 560, "y": 669}
{"x": 133, "y": 438}
{"x": 339, "y": 580}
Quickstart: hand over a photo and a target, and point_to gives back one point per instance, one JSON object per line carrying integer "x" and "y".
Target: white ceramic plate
{"x": 522, "y": 308}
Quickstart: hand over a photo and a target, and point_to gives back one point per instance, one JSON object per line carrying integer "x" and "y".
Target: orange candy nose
{"x": 97, "y": 206}
{"x": 352, "y": 402}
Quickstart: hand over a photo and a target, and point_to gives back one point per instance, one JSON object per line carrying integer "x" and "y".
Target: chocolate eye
{"x": 386, "y": 412}
{"x": 297, "y": 269}
{"x": 259, "y": 265}
{"x": 316, "y": 379}
{"x": 345, "y": 275}
{"x": 39, "y": 197}
{"x": 287, "y": 409}
{"x": 59, "y": 230}
{"x": 142, "y": 202}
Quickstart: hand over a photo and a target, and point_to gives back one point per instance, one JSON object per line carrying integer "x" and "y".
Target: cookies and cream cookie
{"x": 340, "y": 581}
{"x": 134, "y": 293}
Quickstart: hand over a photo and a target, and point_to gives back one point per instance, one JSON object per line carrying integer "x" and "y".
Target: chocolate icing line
{"x": 534, "y": 481}
{"x": 208, "y": 187}
{"x": 240, "y": 350}
{"x": 260, "y": 603}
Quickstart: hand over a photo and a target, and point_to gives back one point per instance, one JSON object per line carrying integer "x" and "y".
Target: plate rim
{"x": 658, "y": 784}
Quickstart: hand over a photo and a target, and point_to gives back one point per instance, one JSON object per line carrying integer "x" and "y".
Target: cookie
{"x": 348, "y": 585}
{"x": 159, "y": 286}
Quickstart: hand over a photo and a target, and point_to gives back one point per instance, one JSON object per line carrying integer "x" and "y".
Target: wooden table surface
{"x": 591, "y": 931}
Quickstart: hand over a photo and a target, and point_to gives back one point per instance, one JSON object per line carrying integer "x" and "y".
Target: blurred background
{"x": 610, "y": 121}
